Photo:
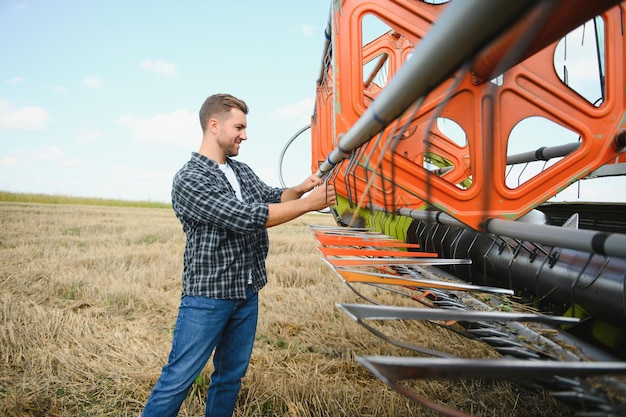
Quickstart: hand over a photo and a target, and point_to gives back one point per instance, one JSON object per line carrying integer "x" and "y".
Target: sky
{"x": 101, "y": 99}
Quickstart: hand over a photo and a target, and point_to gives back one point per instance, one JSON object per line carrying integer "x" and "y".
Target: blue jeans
{"x": 204, "y": 324}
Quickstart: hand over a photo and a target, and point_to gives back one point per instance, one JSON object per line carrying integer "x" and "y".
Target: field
{"x": 88, "y": 298}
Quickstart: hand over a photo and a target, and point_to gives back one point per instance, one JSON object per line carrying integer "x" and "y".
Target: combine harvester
{"x": 451, "y": 131}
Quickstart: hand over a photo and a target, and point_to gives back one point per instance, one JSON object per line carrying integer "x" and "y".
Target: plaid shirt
{"x": 226, "y": 240}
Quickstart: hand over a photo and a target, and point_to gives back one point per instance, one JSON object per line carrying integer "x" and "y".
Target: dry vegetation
{"x": 88, "y": 298}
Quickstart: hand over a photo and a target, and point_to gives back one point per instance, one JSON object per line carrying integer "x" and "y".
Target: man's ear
{"x": 213, "y": 124}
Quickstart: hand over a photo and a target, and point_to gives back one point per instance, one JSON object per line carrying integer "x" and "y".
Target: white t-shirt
{"x": 232, "y": 179}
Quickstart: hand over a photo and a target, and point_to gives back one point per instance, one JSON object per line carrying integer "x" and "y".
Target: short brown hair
{"x": 219, "y": 103}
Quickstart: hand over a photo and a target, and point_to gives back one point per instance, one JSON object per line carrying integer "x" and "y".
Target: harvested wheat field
{"x": 88, "y": 298}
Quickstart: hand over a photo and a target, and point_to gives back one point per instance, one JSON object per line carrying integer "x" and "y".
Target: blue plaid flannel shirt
{"x": 226, "y": 239}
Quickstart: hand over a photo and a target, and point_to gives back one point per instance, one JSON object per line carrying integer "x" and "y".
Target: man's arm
{"x": 319, "y": 199}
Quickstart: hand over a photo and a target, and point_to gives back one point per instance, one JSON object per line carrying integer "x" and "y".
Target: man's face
{"x": 232, "y": 131}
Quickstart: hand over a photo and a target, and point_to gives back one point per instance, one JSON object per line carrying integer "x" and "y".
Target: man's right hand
{"x": 322, "y": 196}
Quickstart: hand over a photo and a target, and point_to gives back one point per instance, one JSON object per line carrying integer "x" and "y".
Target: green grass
{"x": 7, "y": 197}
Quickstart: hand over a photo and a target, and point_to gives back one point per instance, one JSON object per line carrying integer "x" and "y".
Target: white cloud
{"x": 15, "y": 80}
{"x": 134, "y": 183}
{"x": 93, "y": 83}
{"x": 88, "y": 136}
{"x": 59, "y": 89}
{"x": 47, "y": 153}
{"x": 180, "y": 128}
{"x": 299, "y": 112}
{"x": 160, "y": 67}
{"x": 11, "y": 161}
{"x": 139, "y": 174}
{"x": 73, "y": 162}
{"x": 307, "y": 30}
{"x": 24, "y": 118}
{"x": 20, "y": 158}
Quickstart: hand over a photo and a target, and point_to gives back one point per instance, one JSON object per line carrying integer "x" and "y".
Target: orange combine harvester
{"x": 450, "y": 131}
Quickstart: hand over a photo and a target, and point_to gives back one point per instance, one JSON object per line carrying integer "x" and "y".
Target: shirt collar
{"x": 197, "y": 157}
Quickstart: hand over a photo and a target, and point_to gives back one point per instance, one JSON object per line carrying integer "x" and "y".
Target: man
{"x": 225, "y": 210}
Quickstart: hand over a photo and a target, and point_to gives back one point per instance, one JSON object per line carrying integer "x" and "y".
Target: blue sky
{"x": 100, "y": 99}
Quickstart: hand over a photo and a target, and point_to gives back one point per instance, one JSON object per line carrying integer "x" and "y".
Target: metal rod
{"x": 398, "y": 368}
{"x": 282, "y": 153}
{"x": 543, "y": 153}
{"x": 372, "y": 312}
{"x": 327, "y": 46}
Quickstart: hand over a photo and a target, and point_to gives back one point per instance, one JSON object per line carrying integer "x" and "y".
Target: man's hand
{"x": 299, "y": 190}
{"x": 322, "y": 197}
{"x": 309, "y": 183}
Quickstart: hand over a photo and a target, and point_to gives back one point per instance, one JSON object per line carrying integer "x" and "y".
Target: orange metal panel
{"x": 486, "y": 112}
{"x": 352, "y": 276}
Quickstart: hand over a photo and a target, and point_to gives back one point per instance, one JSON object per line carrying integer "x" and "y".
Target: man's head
{"x": 223, "y": 121}
{"x": 217, "y": 105}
